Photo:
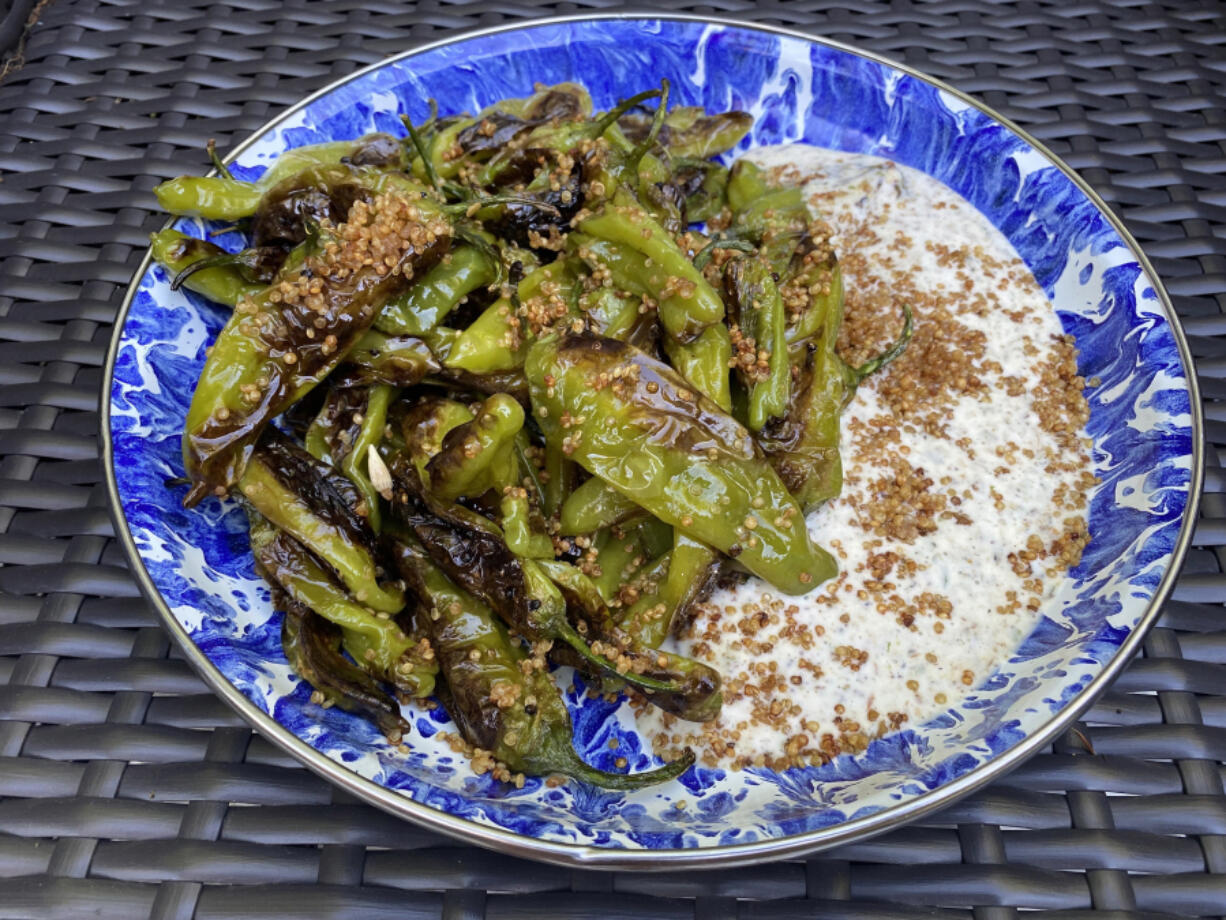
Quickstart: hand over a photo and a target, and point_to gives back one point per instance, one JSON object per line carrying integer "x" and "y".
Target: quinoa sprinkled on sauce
{"x": 966, "y": 483}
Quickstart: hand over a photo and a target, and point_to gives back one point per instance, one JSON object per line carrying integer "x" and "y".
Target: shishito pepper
{"x": 397, "y": 360}
{"x": 479, "y": 455}
{"x": 427, "y": 301}
{"x": 757, "y": 308}
{"x": 593, "y": 506}
{"x": 348, "y": 426}
{"x": 503, "y": 702}
{"x": 473, "y": 552}
{"x": 224, "y": 284}
{"x": 378, "y": 645}
{"x": 686, "y": 302}
{"x": 223, "y": 197}
{"x": 313, "y": 647}
{"x": 630, "y": 419}
{"x": 300, "y": 495}
{"x": 691, "y": 690}
{"x": 277, "y": 346}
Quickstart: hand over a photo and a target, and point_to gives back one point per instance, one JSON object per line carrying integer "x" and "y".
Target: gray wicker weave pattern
{"x": 127, "y": 790}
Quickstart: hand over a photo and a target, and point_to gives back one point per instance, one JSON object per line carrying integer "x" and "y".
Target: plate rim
{"x": 643, "y": 859}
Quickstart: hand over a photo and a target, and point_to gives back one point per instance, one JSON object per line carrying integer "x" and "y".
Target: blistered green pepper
{"x": 378, "y": 645}
{"x": 755, "y": 305}
{"x": 479, "y": 455}
{"x": 687, "y": 304}
{"x": 501, "y": 703}
{"x": 622, "y": 553}
{"x": 593, "y": 506}
{"x": 277, "y": 346}
{"x": 498, "y": 339}
{"x": 690, "y": 690}
{"x": 425, "y": 302}
{"x": 399, "y": 360}
{"x": 283, "y": 484}
{"x": 646, "y": 433}
{"x": 222, "y": 284}
{"x": 704, "y": 363}
{"x": 222, "y": 197}
{"x": 517, "y": 528}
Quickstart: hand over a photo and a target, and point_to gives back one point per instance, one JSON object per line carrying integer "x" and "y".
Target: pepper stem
{"x": 580, "y": 645}
{"x": 609, "y": 118}
{"x": 221, "y": 167}
{"x": 217, "y": 261}
{"x": 900, "y": 345}
{"x": 657, "y": 122}
{"x": 703, "y": 256}
{"x": 483, "y": 201}
{"x": 420, "y": 147}
{"x": 574, "y": 766}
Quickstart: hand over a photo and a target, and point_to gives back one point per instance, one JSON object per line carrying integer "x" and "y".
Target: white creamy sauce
{"x": 843, "y": 663}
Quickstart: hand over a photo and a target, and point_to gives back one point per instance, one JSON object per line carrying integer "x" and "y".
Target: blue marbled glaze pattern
{"x": 798, "y": 91}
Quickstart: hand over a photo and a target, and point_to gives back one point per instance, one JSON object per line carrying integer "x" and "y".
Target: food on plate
{"x": 549, "y": 386}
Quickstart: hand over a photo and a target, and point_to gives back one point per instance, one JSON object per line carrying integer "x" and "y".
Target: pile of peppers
{"x": 496, "y": 395}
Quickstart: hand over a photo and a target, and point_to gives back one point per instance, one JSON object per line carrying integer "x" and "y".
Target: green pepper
{"x": 756, "y": 306}
{"x": 521, "y": 539}
{"x": 283, "y": 483}
{"x": 687, "y": 304}
{"x": 225, "y": 198}
{"x": 704, "y": 363}
{"x": 499, "y": 338}
{"x": 690, "y": 132}
{"x": 647, "y": 434}
{"x": 610, "y": 313}
{"x": 312, "y": 645}
{"x": 222, "y": 284}
{"x": 593, "y": 506}
{"x": 424, "y": 426}
{"x": 501, "y": 700}
{"x": 377, "y": 644}
{"x": 622, "y": 553}
{"x": 479, "y": 455}
{"x": 355, "y": 461}
{"x": 473, "y": 552}
{"x": 402, "y": 361}
{"x": 690, "y": 690}
{"x": 427, "y": 301}
{"x": 557, "y": 480}
{"x": 276, "y": 347}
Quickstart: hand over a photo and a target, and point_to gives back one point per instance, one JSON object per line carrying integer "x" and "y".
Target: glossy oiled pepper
{"x": 350, "y": 423}
{"x": 472, "y": 551}
{"x": 500, "y": 701}
{"x": 498, "y": 339}
{"x": 755, "y": 305}
{"x": 427, "y": 301}
{"x": 480, "y": 454}
{"x": 378, "y": 645}
{"x": 692, "y": 567}
{"x": 287, "y": 485}
{"x": 313, "y": 647}
{"x": 690, "y": 132}
{"x": 225, "y": 198}
{"x": 522, "y": 539}
{"x": 622, "y": 554}
{"x": 223, "y": 284}
{"x": 654, "y": 439}
{"x": 690, "y": 690}
{"x": 704, "y": 363}
{"x": 593, "y": 506}
{"x": 687, "y": 304}
{"x": 277, "y": 346}
{"x": 400, "y": 360}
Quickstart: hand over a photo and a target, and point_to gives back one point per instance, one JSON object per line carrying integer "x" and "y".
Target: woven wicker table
{"x": 127, "y": 790}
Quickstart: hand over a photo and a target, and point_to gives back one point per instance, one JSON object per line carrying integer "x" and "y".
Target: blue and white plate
{"x": 196, "y": 565}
